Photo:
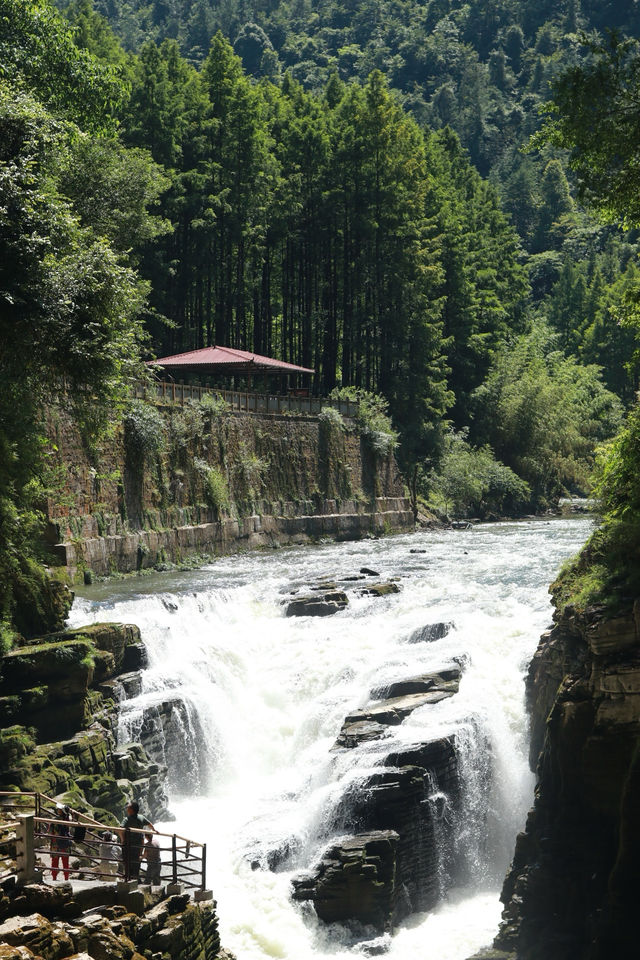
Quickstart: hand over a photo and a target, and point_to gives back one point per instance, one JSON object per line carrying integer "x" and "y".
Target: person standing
{"x": 133, "y": 838}
{"x": 109, "y": 854}
{"x": 60, "y": 841}
{"x": 152, "y": 856}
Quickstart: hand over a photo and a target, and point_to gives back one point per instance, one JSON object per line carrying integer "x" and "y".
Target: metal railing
{"x": 245, "y": 402}
{"x": 78, "y": 848}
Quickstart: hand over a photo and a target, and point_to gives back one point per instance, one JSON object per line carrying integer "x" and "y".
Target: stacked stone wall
{"x": 280, "y": 480}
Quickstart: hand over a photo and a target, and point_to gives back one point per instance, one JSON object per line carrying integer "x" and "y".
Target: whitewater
{"x": 265, "y": 697}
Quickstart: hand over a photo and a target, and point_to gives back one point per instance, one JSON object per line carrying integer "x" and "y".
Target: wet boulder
{"x": 379, "y": 589}
{"x": 321, "y": 605}
{"x": 445, "y": 681}
{"x": 354, "y": 881}
{"x": 372, "y": 721}
{"x": 431, "y": 632}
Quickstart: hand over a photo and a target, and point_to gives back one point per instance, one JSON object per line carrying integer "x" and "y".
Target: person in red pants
{"x": 60, "y": 842}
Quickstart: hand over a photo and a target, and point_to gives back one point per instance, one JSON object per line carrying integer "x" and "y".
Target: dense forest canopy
{"x": 349, "y": 187}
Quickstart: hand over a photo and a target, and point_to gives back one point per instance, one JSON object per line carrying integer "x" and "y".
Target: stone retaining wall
{"x": 129, "y": 551}
{"x": 287, "y": 480}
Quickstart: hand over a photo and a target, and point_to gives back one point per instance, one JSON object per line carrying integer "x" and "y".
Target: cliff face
{"x": 571, "y": 893}
{"x": 59, "y": 706}
{"x": 182, "y": 481}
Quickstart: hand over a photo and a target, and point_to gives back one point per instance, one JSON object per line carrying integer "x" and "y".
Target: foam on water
{"x": 265, "y": 698}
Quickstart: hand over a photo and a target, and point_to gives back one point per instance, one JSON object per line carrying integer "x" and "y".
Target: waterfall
{"x": 254, "y": 702}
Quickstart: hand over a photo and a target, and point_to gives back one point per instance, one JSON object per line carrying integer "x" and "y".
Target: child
{"x": 152, "y": 856}
{"x": 109, "y": 854}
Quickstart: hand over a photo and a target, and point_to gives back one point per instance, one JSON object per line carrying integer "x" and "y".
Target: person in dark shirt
{"x": 132, "y": 840}
{"x": 60, "y": 844}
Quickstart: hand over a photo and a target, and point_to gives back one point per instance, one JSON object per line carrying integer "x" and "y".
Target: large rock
{"x": 324, "y": 605}
{"x": 372, "y": 722}
{"x": 50, "y": 941}
{"x": 355, "y": 881}
{"x": 431, "y": 632}
{"x": 447, "y": 680}
{"x": 379, "y": 589}
{"x": 65, "y": 666}
{"x": 415, "y": 796}
{"x": 572, "y": 887}
{"x": 421, "y": 804}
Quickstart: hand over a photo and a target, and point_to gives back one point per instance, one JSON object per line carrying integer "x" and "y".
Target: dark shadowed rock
{"x": 319, "y": 606}
{"x": 368, "y": 572}
{"x": 354, "y": 881}
{"x": 430, "y": 632}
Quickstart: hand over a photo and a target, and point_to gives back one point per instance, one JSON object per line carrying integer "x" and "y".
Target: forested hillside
{"x": 342, "y": 187}
{"x": 482, "y": 68}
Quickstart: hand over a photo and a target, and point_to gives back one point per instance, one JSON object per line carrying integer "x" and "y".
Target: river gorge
{"x": 257, "y": 700}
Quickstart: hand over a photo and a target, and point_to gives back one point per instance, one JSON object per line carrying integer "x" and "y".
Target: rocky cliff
{"x": 571, "y": 893}
{"x": 60, "y": 699}
{"x": 101, "y": 922}
{"x": 60, "y": 703}
{"x": 177, "y": 481}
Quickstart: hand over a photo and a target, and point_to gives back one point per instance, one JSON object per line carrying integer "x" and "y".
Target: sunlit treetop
{"x": 37, "y": 51}
{"x": 595, "y": 113}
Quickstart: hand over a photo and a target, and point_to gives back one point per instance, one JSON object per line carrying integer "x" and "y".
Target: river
{"x": 267, "y": 695}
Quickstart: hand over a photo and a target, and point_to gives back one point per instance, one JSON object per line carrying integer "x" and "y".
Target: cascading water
{"x": 261, "y": 698}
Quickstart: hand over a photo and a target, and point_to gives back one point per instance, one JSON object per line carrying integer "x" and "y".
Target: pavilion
{"x": 215, "y": 361}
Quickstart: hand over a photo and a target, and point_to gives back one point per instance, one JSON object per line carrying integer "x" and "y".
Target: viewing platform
{"x": 36, "y": 846}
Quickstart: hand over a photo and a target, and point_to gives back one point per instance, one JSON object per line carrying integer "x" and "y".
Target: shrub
{"x": 471, "y": 482}
{"x": 374, "y": 422}
{"x": 214, "y": 405}
{"x": 332, "y": 418}
{"x": 144, "y": 431}
{"x": 250, "y": 472}
{"x": 186, "y": 424}
{"x": 215, "y": 486}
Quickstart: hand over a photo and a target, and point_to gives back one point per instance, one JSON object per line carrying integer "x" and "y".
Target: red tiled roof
{"x": 228, "y": 358}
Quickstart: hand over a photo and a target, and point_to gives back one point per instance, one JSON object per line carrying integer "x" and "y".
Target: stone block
{"x": 355, "y": 881}
{"x": 606, "y": 637}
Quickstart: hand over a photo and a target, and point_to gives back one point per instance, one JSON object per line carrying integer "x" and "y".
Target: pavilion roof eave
{"x": 221, "y": 359}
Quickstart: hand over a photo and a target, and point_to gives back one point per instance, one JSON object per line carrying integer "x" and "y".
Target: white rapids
{"x": 266, "y": 696}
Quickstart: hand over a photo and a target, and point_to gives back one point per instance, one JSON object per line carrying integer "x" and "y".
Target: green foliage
{"x": 374, "y": 422}
{"x": 543, "y": 413}
{"x": 470, "y": 482}
{"x": 215, "y": 486}
{"x": 331, "y": 419}
{"x": 249, "y": 474}
{"x": 68, "y": 322}
{"x": 144, "y": 432}
{"x": 594, "y": 114}
{"x": 37, "y": 52}
{"x": 186, "y": 425}
{"x": 618, "y": 471}
{"x": 213, "y": 405}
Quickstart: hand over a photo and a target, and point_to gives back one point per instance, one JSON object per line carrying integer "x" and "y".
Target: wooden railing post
{"x": 204, "y": 867}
